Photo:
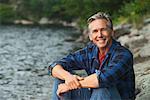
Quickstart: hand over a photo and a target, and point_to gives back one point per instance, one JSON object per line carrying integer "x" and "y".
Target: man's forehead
{"x": 97, "y": 23}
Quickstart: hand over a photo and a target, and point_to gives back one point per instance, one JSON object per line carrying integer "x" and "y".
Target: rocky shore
{"x": 45, "y": 21}
{"x": 138, "y": 41}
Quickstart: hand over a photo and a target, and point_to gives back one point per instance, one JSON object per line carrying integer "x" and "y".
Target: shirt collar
{"x": 95, "y": 48}
{"x": 113, "y": 46}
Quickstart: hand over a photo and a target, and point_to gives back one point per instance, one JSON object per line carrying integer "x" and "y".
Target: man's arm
{"x": 74, "y": 61}
{"x": 59, "y": 72}
{"x": 90, "y": 81}
{"x": 70, "y": 80}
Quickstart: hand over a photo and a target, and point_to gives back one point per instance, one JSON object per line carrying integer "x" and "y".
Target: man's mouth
{"x": 101, "y": 39}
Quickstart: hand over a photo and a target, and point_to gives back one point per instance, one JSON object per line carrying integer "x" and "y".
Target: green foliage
{"x": 4, "y": 1}
{"x": 77, "y": 10}
{"x": 6, "y": 13}
{"x": 80, "y": 10}
{"x": 29, "y": 9}
{"x": 35, "y": 9}
{"x": 134, "y": 12}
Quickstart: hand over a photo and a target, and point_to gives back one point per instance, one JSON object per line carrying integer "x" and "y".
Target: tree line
{"x": 73, "y": 10}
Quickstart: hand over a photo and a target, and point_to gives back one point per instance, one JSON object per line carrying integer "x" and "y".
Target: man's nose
{"x": 100, "y": 33}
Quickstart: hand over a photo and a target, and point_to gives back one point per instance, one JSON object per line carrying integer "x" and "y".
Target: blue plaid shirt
{"x": 116, "y": 68}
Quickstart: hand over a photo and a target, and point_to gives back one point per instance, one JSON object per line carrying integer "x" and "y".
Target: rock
{"x": 133, "y": 42}
{"x": 136, "y": 42}
{"x": 17, "y": 22}
{"x": 145, "y": 51}
{"x": 23, "y": 22}
{"x": 71, "y": 24}
{"x": 142, "y": 72}
{"x": 146, "y": 31}
{"x": 134, "y": 32}
{"x": 121, "y": 30}
{"x": 84, "y": 37}
{"x": 43, "y": 21}
{"x": 26, "y": 22}
{"x": 124, "y": 39}
{"x": 147, "y": 21}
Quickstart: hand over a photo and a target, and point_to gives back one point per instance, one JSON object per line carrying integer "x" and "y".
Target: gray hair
{"x": 101, "y": 15}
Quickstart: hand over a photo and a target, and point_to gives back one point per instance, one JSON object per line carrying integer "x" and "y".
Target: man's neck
{"x": 102, "y": 51}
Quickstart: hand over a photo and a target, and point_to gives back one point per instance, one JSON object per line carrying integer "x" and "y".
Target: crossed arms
{"x": 73, "y": 81}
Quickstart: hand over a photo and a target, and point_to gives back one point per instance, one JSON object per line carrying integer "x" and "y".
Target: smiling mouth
{"x": 101, "y": 39}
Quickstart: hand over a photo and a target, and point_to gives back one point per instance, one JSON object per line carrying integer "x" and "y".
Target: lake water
{"x": 25, "y": 53}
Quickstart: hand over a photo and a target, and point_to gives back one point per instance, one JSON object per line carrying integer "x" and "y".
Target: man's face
{"x": 100, "y": 33}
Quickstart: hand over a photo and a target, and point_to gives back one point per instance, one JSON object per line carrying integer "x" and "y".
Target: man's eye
{"x": 104, "y": 29}
{"x": 95, "y": 31}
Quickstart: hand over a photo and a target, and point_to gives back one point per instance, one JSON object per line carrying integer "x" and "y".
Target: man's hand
{"x": 90, "y": 81}
{"x": 62, "y": 88}
{"x": 79, "y": 77}
{"x": 72, "y": 81}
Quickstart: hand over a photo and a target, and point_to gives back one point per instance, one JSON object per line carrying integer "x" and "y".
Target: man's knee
{"x": 55, "y": 87}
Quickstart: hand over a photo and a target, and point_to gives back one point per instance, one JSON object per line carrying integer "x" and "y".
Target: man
{"x": 108, "y": 64}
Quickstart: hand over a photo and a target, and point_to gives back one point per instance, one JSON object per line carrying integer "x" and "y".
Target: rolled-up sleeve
{"x": 50, "y": 67}
{"x": 74, "y": 61}
{"x": 121, "y": 63}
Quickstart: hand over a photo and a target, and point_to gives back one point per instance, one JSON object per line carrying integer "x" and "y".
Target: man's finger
{"x": 72, "y": 86}
{"x": 58, "y": 92}
{"x": 77, "y": 83}
{"x": 80, "y": 78}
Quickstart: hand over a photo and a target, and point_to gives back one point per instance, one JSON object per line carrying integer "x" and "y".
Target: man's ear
{"x": 112, "y": 33}
{"x": 90, "y": 37}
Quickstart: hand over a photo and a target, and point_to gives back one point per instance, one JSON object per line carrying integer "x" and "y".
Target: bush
{"x": 7, "y": 14}
{"x": 134, "y": 12}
